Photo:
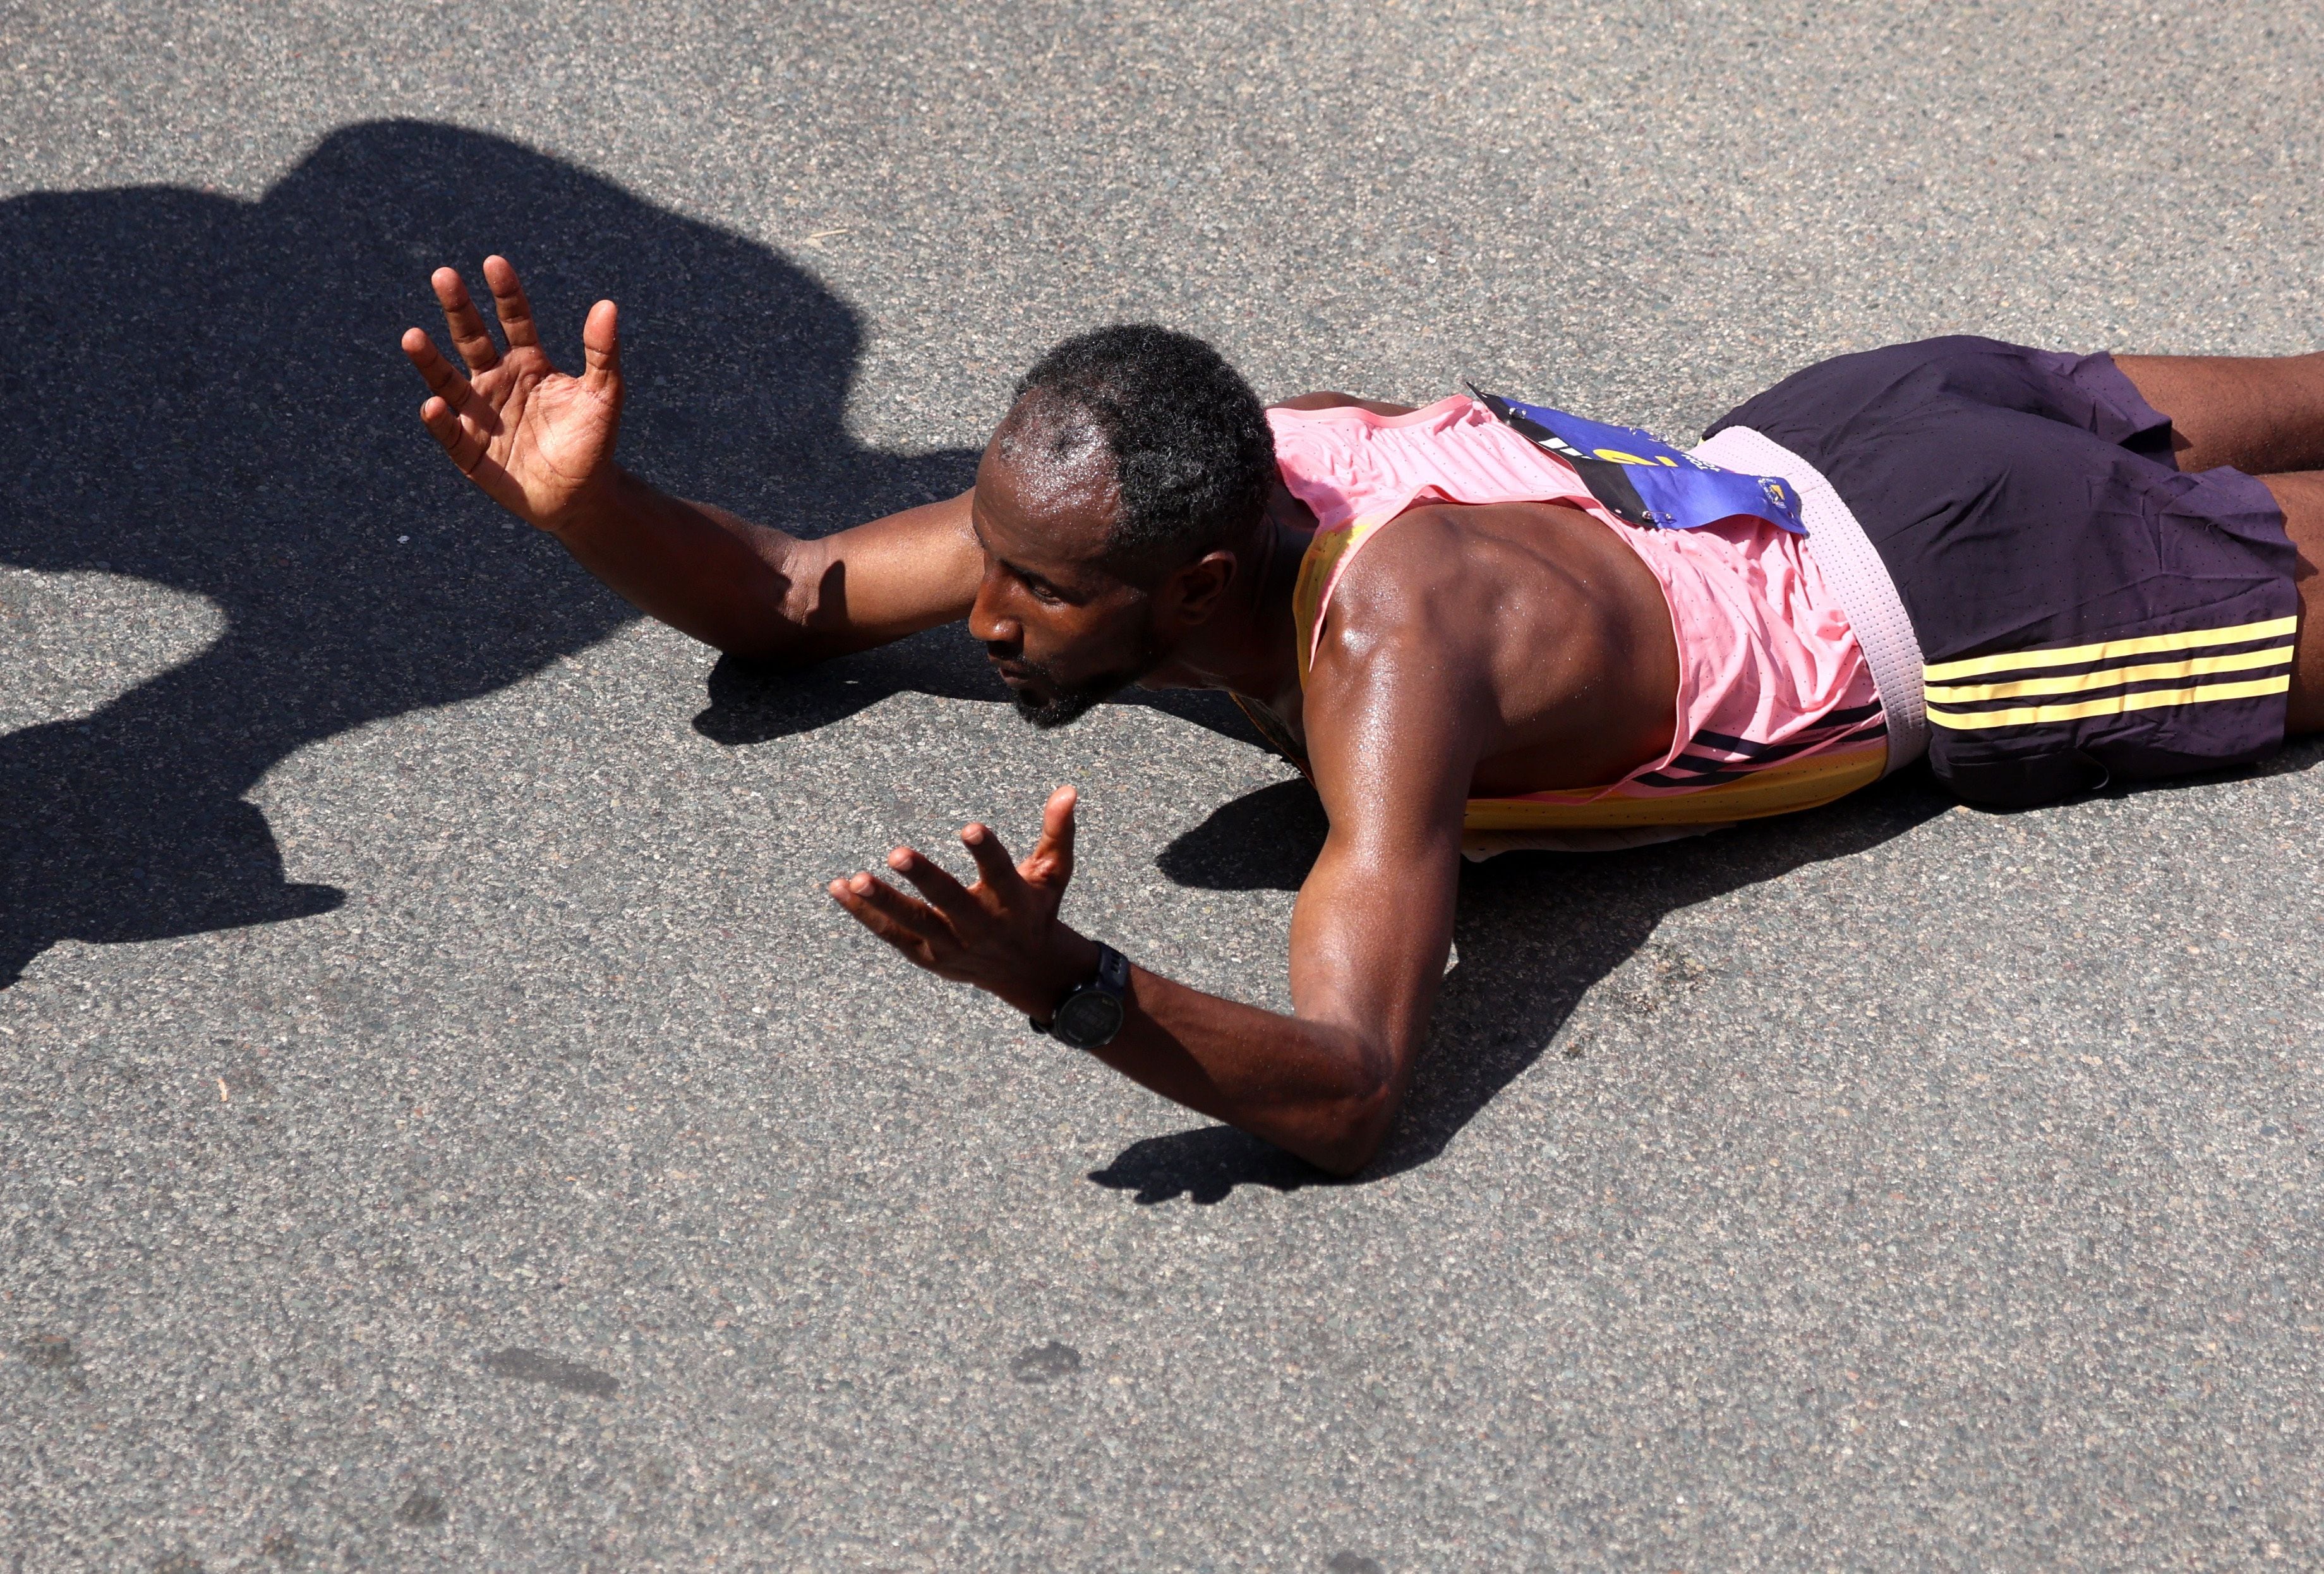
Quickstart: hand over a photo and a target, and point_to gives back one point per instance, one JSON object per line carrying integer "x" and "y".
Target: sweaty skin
{"x": 1483, "y": 650}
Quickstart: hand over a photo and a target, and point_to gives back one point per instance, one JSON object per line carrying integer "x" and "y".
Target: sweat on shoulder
{"x": 1483, "y": 625}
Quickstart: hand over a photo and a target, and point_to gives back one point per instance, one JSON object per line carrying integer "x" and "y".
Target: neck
{"x": 1251, "y": 646}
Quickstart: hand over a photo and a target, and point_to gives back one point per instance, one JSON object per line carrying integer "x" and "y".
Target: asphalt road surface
{"x": 443, "y": 1125}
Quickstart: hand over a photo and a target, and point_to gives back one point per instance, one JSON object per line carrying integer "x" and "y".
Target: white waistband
{"x": 1851, "y": 566}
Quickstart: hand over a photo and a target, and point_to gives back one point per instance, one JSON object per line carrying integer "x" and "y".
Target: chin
{"x": 1049, "y": 704}
{"x": 1057, "y": 711}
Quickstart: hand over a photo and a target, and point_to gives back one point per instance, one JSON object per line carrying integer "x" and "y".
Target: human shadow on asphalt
{"x": 1533, "y": 933}
{"x": 205, "y": 393}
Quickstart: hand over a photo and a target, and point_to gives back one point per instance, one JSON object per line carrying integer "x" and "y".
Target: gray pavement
{"x": 443, "y": 1125}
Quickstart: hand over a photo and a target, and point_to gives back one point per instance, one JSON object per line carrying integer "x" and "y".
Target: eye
{"x": 1043, "y": 594}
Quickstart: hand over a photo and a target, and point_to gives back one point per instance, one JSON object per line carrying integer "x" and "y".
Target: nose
{"x": 1001, "y": 633}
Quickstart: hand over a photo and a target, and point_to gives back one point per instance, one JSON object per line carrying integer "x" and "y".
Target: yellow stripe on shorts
{"x": 2109, "y": 650}
{"x": 2111, "y": 705}
{"x": 2111, "y": 677}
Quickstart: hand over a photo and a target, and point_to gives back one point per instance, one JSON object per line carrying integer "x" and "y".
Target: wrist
{"x": 602, "y": 500}
{"x": 1066, "y": 963}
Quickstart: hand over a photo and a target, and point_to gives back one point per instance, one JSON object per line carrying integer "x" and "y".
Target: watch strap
{"x": 1113, "y": 978}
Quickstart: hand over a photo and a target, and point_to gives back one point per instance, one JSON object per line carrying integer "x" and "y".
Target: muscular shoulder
{"x": 1525, "y": 639}
{"x": 1404, "y": 623}
{"x": 1411, "y": 575}
{"x": 1442, "y": 594}
{"x": 1400, "y": 695}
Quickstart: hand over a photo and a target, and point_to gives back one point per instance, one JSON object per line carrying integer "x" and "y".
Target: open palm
{"x": 536, "y": 440}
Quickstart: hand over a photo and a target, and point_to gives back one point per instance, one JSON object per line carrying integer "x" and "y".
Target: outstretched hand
{"x": 536, "y": 440}
{"x": 1001, "y": 933}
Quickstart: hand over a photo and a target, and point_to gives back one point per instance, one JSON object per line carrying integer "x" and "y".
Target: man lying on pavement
{"x": 1486, "y": 625}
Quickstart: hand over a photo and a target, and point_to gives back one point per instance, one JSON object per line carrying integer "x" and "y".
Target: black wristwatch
{"x": 1091, "y": 1016}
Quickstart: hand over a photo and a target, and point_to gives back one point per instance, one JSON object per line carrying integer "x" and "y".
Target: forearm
{"x": 1324, "y": 1084}
{"x": 740, "y": 588}
{"x": 1323, "y": 1090}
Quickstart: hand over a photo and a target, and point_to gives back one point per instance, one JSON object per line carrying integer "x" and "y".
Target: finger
{"x": 443, "y": 381}
{"x": 907, "y": 925}
{"x": 882, "y": 926}
{"x": 946, "y": 894}
{"x": 993, "y": 865}
{"x": 467, "y": 330}
{"x": 464, "y": 440}
{"x": 469, "y": 448}
{"x": 1052, "y": 855}
{"x": 601, "y": 347}
{"x": 509, "y": 304}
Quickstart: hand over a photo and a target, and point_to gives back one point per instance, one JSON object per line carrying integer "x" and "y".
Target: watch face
{"x": 1088, "y": 1018}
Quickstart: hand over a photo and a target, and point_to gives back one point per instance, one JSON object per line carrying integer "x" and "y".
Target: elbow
{"x": 781, "y": 619}
{"x": 773, "y": 635}
{"x": 1350, "y": 1133}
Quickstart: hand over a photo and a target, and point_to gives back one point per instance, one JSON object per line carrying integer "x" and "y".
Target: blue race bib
{"x": 1644, "y": 480}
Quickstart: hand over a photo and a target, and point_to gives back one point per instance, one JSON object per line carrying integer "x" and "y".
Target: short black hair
{"x": 1193, "y": 455}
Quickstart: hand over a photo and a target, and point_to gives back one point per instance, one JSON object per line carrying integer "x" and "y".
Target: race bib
{"x": 1644, "y": 480}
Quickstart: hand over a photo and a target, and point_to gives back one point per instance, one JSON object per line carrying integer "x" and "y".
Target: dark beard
{"x": 1071, "y": 702}
{"x": 1066, "y": 705}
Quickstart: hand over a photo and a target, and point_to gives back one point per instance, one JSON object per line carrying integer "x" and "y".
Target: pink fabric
{"x": 1766, "y": 654}
{"x": 1350, "y": 466}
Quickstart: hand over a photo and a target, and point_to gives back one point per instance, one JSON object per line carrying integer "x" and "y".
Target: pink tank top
{"x": 1776, "y": 709}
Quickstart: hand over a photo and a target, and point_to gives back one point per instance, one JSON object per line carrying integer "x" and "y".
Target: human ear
{"x": 1197, "y": 589}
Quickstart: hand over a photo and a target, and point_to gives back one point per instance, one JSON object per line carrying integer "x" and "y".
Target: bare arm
{"x": 756, "y": 591}
{"x": 1327, "y": 401}
{"x": 1368, "y": 939}
{"x": 540, "y": 444}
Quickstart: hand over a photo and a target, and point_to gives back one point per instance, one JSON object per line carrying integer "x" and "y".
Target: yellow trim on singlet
{"x": 1785, "y": 788}
{"x": 1780, "y": 789}
{"x": 1319, "y": 571}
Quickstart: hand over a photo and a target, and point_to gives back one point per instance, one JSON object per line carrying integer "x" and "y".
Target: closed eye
{"x": 1043, "y": 591}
